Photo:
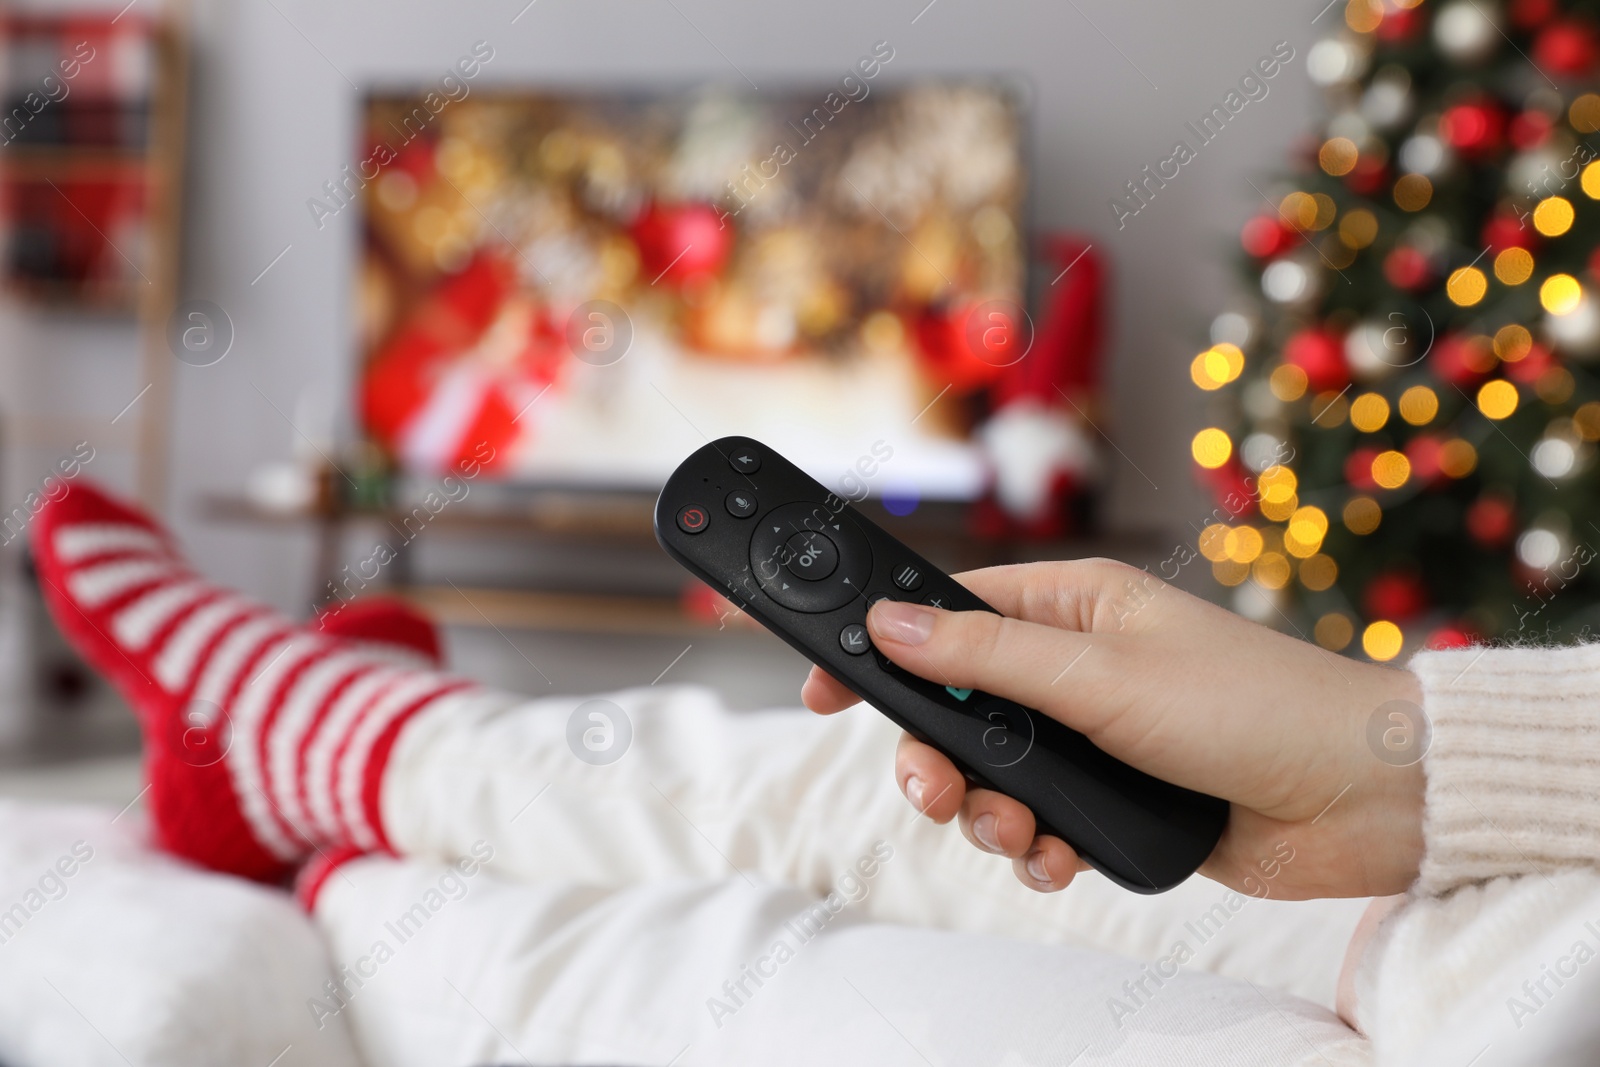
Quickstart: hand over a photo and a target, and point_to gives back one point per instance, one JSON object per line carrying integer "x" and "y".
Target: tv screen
{"x": 580, "y": 288}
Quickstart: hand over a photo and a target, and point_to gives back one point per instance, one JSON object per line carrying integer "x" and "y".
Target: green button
{"x": 959, "y": 694}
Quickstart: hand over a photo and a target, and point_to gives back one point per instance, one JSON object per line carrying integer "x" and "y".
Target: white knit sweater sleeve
{"x": 1491, "y": 949}
{"x": 1513, "y": 770}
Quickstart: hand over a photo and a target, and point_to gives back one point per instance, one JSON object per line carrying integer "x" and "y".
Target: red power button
{"x": 692, "y": 519}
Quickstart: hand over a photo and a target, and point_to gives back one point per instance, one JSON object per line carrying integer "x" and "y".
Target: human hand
{"x": 1183, "y": 690}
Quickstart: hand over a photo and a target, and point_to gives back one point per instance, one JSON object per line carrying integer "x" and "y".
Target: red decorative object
{"x": 1568, "y": 47}
{"x": 1233, "y": 489}
{"x": 1491, "y": 520}
{"x": 1530, "y": 128}
{"x": 969, "y": 346}
{"x": 1265, "y": 236}
{"x": 1320, "y": 353}
{"x": 1532, "y": 366}
{"x": 679, "y": 243}
{"x": 1407, "y": 268}
{"x": 1040, "y": 400}
{"x": 1531, "y": 14}
{"x": 1369, "y": 175}
{"x": 449, "y": 386}
{"x": 1394, "y": 595}
{"x": 1460, "y": 361}
{"x": 1423, "y": 453}
{"x": 1507, "y": 231}
{"x": 1358, "y": 469}
{"x": 1475, "y": 128}
{"x": 1450, "y": 636}
{"x": 1399, "y": 26}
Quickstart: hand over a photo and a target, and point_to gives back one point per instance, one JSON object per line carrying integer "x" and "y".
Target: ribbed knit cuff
{"x": 1514, "y": 766}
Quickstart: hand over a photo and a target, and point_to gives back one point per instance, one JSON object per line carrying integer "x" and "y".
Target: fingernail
{"x": 986, "y": 828}
{"x": 895, "y": 621}
{"x": 1036, "y": 868}
{"x": 914, "y": 791}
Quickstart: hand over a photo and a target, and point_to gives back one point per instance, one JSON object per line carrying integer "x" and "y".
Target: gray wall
{"x": 275, "y": 107}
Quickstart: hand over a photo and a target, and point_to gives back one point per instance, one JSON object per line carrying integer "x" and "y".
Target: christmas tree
{"x": 1408, "y": 403}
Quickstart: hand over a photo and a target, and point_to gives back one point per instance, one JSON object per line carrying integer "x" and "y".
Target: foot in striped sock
{"x": 264, "y": 741}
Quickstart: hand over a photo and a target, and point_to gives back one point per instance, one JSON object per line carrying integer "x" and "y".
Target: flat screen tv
{"x": 578, "y": 288}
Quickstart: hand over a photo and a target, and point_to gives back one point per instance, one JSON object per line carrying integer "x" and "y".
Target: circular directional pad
{"x": 809, "y": 558}
{"x": 812, "y": 556}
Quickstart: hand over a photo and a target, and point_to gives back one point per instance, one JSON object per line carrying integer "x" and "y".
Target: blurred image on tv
{"x": 588, "y": 286}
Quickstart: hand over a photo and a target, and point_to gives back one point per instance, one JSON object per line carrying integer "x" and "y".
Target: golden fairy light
{"x": 1586, "y": 420}
{"x": 1391, "y": 469}
{"x": 1338, "y": 156}
{"x": 1211, "y": 448}
{"x": 1243, "y": 544}
{"x": 1560, "y": 293}
{"x": 1497, "y": 399}
{"x": 1359, "y": 228}
{"x": 1272, "y": 570}
{"x": 1513, "y": 266}
{"x": 1457, "y": 458}
{"x": 1319, "y": 572}
{"x": 1418, "y": 405}
{"x": 1412, "y": 192}
{"x": 1553, "y": 216}
{"x": 1591, "y": 181}
{"x": 1334, "y": 631}
{"x": 1213, "y": 543}
{"x": 1513, "y": 342}
{"x": 1382, "y": 640}
{"x": 1288, "y": 382}
{"x": 1369, "y": 412}
{"x": 1466, "y": 286}
{"x": 1362, "y": 515}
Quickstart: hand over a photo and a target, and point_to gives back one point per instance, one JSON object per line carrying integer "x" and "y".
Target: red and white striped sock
{"x": 264, "y": 741}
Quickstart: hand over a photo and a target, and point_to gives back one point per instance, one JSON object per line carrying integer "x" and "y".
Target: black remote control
{"x": 806, "y": 565}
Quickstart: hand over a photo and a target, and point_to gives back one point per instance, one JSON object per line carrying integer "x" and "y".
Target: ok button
{"x": 811, "y": 556}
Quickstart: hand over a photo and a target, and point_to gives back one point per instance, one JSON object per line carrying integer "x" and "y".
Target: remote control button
{"x": 693, "y": 519}
{"x": 773, "y": 562}
{"x": 937, "y": 600}
{"x": 741, "y": 505}
{"x": 853, "y": 639}
{"x": 874, "y": 597}
{"x": 745, "y": 460}
{"x": 908, "y": 578}
{"x": 811, "y": 556}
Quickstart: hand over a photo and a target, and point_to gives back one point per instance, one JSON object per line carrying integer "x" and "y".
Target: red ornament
{"x": 679, "y": 243}
{"x": 1594, "y": 263}
{"x": 1396, "y": 595}
{"x": 1399, "y": 26}
{"x": 1531, "y": 14}
{"x": 1423, "y": 452}
{"x": 1369, "y": 176}
{"x": 1530, "y": 128}
{"x": 1531, "y": 367}
{"x": 1265, "y": 236}
{"x": 1407, "y": 268}
{"x": 1234, "y": 491}
{"x": 1320, "y": 353}
{"x": 1461, "y": 360}
{"x": 1567, "y": 47}
{"x": 1450, "y": 636}
{"x": 1491, "y": 520}
{"x": 1358, "y": 469}
{"x": 964, "y": 352}
{"x": 1504, "y": 231}
{"x": 1475, "y": 128}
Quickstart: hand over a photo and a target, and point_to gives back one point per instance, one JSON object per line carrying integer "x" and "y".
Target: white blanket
{"x": 113, "y": 954}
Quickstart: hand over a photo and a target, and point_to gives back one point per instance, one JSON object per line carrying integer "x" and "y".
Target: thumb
{"x": 1063, "y": 673}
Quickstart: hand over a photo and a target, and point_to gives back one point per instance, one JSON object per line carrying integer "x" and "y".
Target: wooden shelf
{"x": 570, "y": 612}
